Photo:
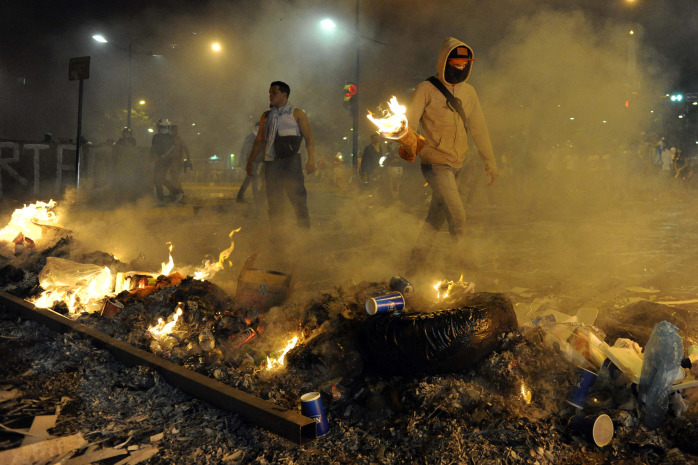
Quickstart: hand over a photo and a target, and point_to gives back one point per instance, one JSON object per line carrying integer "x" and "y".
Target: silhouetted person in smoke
{"x": 126, "y": 162}
{"x": 126, "y": 139}
{"x": 162, "y": 150}
{"x": 180, "y": 156}
{"x": 246, "y": 152}
{"x": 370, "y": 160}
{"x": 281, "y": 130}
{"x": 446, "y": 141}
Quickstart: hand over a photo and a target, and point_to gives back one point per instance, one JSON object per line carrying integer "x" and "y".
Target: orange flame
{"x": 444, "y": 287}
{"x": 23, "y": 220}
{"x": 80, "y": 293}
{"x": 209, "y": 269}
{"x": 163, "y": 329}
{"x": 274, "y": 362}
{"x": 167, "y": 267}
{"x": 393, "y": 123}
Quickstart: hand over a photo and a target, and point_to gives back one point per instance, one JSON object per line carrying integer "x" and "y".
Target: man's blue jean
{"x": 446, "y": 205}
{"x": 286, "y": 176}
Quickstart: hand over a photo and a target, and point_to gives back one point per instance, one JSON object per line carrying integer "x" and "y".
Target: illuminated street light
{"x": 328, "y": 25}
{"x": 141, "y": 102}
{"x": 102, "y": 40}
{"x": 216, "y": 47}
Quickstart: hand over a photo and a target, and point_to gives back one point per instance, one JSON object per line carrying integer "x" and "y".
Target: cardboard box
{"x": 261, "y": 289}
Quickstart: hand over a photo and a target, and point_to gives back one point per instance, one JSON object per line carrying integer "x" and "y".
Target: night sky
{"x": 266, "y": 40}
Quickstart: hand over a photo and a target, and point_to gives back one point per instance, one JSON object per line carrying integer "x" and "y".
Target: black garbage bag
{"x": 444, "y": 341}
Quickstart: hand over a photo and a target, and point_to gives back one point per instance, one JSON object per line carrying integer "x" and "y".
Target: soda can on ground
{"x": 385, "y": 303}
{"x": 584, "y": 379}
{"x": 311, "y": 407}
{"x": 400, "y": 284}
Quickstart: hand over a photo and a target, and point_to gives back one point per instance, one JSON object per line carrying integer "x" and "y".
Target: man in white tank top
{"x": 280, "y": 132}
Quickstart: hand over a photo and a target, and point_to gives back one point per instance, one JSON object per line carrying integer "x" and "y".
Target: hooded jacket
{"x": 446, "y": 139}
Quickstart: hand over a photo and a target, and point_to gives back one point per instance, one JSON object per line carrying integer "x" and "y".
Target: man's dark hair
{"x": 283, "y": 87}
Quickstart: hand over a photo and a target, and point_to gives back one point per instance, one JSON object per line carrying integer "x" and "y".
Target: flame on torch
{"x": 393, "y": 123}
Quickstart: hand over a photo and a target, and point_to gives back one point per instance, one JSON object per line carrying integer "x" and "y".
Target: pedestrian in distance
{"x": 180, "y": 157}
{"x": 250, "y": 180}
{"x": 162, "y": 151}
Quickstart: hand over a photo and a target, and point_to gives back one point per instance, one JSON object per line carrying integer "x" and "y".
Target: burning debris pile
{"x": 512, "y": 403}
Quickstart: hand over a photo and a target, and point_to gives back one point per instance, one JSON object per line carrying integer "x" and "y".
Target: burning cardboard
{"x": 261, "y": 289}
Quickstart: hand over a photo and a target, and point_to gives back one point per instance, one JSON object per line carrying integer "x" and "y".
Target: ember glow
{"x": 393, "y": 123}
{"x": 28, "y": 221}
{"x": 211, "y": 268}
{"x": 162, "y": 328}
{"x": 279, "y": 361}
{"x": 526, "y": 393}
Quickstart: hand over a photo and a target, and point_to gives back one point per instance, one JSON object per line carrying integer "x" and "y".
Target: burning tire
{"x": 437, "y": 342}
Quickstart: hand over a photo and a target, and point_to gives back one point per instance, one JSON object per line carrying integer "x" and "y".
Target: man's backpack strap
{"x": 453, "y": 102}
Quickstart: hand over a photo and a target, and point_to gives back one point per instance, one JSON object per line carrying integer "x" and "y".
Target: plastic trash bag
{"x": 436, "y": 342}
{"x": 663, "y": 354}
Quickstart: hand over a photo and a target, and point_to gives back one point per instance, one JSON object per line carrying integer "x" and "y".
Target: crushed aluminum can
{"x": 400, "y": 284}
{"x": 243, "y": 337}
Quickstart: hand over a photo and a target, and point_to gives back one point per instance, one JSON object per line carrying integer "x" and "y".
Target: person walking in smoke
{"x": 447, "y": 108}
{"x": 281, "y": 130}
{"x": 180, "y": 156}
{"x": 246, "y": 151}
{"x": 162, "y": 150}
{"x": 370, "y": 160}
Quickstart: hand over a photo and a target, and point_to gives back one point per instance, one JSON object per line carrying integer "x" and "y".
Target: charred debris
{"x": 387, "y": 399}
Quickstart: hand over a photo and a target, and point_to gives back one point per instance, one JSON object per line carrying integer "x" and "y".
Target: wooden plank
{"x": 282, "y": 421}
{"x": 42, "y": 451}
{"x": 39, "y": 429}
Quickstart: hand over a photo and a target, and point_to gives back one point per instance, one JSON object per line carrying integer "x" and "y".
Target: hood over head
{"x": 447, "y": 47}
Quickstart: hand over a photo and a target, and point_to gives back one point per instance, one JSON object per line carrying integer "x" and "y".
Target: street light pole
{"x": 130, "y": 80}
{"x": 355, "y": 99}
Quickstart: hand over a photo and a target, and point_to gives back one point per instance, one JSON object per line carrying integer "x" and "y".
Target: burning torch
{"x": 393, "y": 125}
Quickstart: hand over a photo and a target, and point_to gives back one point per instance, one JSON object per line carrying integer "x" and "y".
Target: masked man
{"x": 447, "y": 109}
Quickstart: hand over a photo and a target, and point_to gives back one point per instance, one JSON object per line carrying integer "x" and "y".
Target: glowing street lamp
{"x": 328, "y": 25}
{"x": 102, "y": 40}
{"x": 216, "y": 47}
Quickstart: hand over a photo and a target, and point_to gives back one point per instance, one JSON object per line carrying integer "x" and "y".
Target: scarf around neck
{"x": 272, "y": 125}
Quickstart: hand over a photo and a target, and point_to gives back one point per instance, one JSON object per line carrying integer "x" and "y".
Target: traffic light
{"x": 676, "y": 97}
{"x": 350, "y": 91}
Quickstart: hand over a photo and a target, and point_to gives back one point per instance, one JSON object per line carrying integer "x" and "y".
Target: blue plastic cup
{"x": 311, "y": 407}
{"x": 578, "y": 390}
{"x": 385, "y": 303}
{"x": 596, "y": 429}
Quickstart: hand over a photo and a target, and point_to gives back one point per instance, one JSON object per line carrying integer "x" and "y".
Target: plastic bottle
{"x": 663, "y": 354}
